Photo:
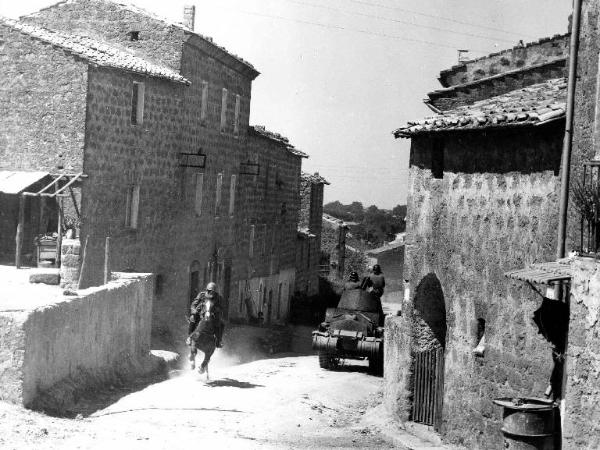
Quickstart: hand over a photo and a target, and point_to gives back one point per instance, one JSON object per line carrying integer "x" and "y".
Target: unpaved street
{"x": 271, "y": 403}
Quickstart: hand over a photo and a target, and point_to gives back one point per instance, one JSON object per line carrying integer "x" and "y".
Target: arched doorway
{"x": 429, "y": 331}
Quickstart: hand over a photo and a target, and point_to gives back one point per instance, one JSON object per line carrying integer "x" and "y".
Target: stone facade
{"x": 308, "y": 247}
{"x": 582, "y": 414}
{"x": 502, "y": 72}
{"x": 581, "y": 425}
{"x": 492, "y": 210}
{"x": 193, "y": 223}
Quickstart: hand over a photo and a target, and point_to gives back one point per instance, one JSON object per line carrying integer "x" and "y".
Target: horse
{"x": 203, "y": 337}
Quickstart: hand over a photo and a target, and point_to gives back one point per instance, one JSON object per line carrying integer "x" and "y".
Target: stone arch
{"x": 429, "y": 342}
{"x": 429, "y": 314}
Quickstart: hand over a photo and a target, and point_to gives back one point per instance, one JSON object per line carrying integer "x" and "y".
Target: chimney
{"x": 189, "y": 15}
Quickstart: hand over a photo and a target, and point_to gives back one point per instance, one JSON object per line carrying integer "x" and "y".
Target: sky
{"x": 338, "y": 76}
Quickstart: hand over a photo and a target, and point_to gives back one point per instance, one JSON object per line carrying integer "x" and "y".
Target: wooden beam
{"x": 73, "y": 180}
{"x": 74, "y": 199}
{"x": 19, "y": 235}
{"x": 60, "y": 233}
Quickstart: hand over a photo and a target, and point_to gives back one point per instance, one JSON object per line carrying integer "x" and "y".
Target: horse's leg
{"x": 192, "y": 356}
{"x": 207, "y": 355}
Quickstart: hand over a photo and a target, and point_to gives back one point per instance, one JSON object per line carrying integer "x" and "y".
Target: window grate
{"x": 586, "y": 199}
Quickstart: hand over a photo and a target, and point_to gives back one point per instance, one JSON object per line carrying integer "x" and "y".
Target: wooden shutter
{"x": 204, "y": 102}
{"x": 223, "y": 110}
{"x": 232, "y": 188}
{"x": 199, "y": 192}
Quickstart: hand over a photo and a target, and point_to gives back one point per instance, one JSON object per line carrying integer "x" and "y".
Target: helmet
{"x": 376, "y": 269}
{"x": 353, "y": 276}
{"x": 212, "y": 286}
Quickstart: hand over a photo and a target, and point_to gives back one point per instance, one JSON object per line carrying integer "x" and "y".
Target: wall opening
{"x": 429, "y": 325}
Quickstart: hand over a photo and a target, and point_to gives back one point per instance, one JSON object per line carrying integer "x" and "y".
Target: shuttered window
{"x": 218, "y": 193}
{"x": 236, "y": 120}
{"x": 132, "y": 206}
{"x": 251, "y": 242}
{"x": 137, "y": 103}
{"x": 199, "y": 192}
{"x": 224, "y": 110}
{"x": 204, "y": 103}
{"x": 232, "y": 188}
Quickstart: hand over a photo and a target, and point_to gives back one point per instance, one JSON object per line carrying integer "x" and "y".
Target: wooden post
{"x": 107, "y": 260}
{"x": 19, "y": 236}
{"x": 59, "y": 202}
{"x": 83, "y": 258}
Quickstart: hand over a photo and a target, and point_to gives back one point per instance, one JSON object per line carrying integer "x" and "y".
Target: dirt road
{"x": 277, "y": 403}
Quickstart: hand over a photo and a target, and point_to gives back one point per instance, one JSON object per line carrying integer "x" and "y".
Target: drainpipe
{"x": 568, "y": 138}
{"x": 564, "y": 186}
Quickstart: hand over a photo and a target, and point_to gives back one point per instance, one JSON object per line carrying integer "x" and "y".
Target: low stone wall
{"x": 397, "y": 368}
{"x": 87, "y": 338}
{"x": 582, "y": 415}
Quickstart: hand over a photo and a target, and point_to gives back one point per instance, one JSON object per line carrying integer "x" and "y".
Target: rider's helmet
{"x": 353, "y": 276}
{"x": 376, "y": 269}
{"x": 212, "y": 286}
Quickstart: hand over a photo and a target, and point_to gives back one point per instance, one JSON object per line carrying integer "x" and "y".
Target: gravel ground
{"x": 277, "y": 403}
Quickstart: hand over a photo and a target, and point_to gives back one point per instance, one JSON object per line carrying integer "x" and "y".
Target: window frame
{"x": 224, "y": 99}
{"x": 204, "y": 103}
{"x": 138, "y": 95}
{"x": 132, "y": 207}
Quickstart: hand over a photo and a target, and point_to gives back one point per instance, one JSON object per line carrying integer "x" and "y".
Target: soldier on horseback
{"x": 198, "y": 306}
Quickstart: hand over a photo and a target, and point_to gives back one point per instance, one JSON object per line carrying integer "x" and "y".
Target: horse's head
{"x": 209, "y": 311}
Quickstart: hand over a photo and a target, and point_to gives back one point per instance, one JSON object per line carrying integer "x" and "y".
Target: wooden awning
{"x": 543, "y": 273}
{"x": 15, "y": 181}
{"x": 57, "y": 191}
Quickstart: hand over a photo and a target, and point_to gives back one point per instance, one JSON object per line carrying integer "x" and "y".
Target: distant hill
{"x": 373, "y": 226}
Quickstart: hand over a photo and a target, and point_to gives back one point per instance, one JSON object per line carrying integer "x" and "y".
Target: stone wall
{"x": 494, "y": 210}
{"x": 530, "y": 54}
{"x": 158, "y": 41}
{"x": 96, "y": 333}
{"x": 42, "y": 105}
{"x": 582, "y": 417}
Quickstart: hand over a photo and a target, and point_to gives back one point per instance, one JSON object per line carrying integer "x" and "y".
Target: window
{"x": 236, "y": 120}
{"x": 264, "y": 239}
{"x": 232, "y": 187}
{"x": 218, "y": 193}
{"x": 134, "y": 35}
{"x": 204, "y": 103}
{"x": 251, "y": 242}
{"x": 224, "y": 110}
{"x": 437, "y": 159}
{"x": 132, "y": 206}
{"x": 137, "y": 104}
{"x": 199, "y": 191}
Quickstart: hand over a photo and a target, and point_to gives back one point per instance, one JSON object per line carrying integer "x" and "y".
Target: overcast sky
{"x": 337, "y": 76}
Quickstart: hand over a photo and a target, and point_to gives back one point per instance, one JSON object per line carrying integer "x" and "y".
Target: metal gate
{"x": 428, "y": 387}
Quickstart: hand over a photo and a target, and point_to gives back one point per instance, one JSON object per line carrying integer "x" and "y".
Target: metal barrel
{"x": 528, "y": 423}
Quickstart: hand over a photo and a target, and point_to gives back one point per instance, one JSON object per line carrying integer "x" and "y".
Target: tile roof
{"x": 280, "y": 139}
{"x": 533, "y": 105}
{"x": 95, "y": 52}
{"x": 313, "y": 178}
{"x": 137, "y": 10}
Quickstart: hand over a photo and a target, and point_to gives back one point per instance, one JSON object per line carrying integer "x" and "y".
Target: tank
{"x": 352, "y": 330}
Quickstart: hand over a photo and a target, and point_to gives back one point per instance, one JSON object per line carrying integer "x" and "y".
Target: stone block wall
{"x": 582, "y": 413}
{"x": 493, "y": 210}
{"x": 96, "y": 333}
{"x": 158, "y": 41}
{"x": 530, "y": 54}
{"x": 42, "y": 105}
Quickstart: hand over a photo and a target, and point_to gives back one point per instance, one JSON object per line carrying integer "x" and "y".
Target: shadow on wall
{"x": 430, "y": 313}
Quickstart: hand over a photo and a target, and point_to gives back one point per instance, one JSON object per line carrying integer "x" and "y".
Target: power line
{"x": 430, "y": 27}
{"x": 358, "y": 30}
{"x": 434, "y": 16}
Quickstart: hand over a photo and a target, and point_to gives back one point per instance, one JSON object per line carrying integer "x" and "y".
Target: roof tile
{"x": 95, "y": 52}
{"x": 535, "y": 104}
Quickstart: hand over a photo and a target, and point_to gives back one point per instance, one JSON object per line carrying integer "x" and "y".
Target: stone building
{"x": 390, "y": 256}
{"x": 310, "y": 225}
{"x": 483, "y": 199}
{"x": 156, "y": 118}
